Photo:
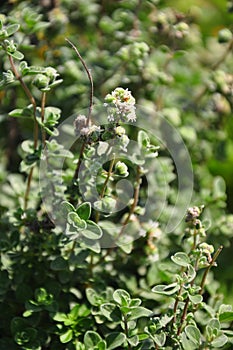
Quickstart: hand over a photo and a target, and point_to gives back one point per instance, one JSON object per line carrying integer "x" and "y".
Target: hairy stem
{"x": 28, "y": 187}
{"x": 43, "y": 133}
{"x": 105, "y": 184}
{"x": 90, "y": 105}
{"x": 176, "y": 304}
{"x": 36, "y": 128}
{"x": 183, "y": 317}
{"x": 135, "y": 200}
{"x": 30, "y": 97}
{"x": 89, "y": 77}
{"x": 126, "y": 330}
{"x": 208, "y": 268}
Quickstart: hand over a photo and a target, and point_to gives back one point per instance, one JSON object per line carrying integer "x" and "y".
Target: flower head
{"x": 80, "y": 123}
{"x": 121, "y": 105}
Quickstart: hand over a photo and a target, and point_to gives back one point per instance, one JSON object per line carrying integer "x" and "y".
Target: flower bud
{"x": 51, "y": 73}
{"x": 193, "y": 213}
{"x": 80, "y": 123}
{"x": 41, "y": 81}
{"x": 121, "y": 169}
{"x": 119, "y": 130}
{"x": 224, "y": 36}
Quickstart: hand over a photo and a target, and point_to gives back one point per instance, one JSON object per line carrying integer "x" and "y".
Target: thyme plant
{"x": 88, "y": 260}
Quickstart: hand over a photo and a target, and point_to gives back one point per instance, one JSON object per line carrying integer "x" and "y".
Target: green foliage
{"x": 87, "y": 194}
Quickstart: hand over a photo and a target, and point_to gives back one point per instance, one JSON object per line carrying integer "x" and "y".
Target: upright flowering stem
{"x": 135, "y": 200}
{"x": 36, "y": 128}
{"x": 90, "y": 106}
{"x": 90, "y": 79}
{"x": 43, "y": 100}
{"x": 31, "y": 98}
{"x": 209, "y": 267}
{"x": 105, "y": 184}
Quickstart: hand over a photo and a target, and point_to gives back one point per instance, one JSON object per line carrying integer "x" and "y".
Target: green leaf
{"x": 127, "y": 247}
{"x": 12, "y": 28}
{"x": 66, "y": 337}
{"x": 94, "y": 298}
{"x": 92, "y": 230}
{"x": 59, "y": 264}
{"x": 139, "y": 311}
{"x": 214, "y": 324}
{"x": 196, "y": 299}
{"x": 143, "y": 139}
{"x": 102, "y": 148}
{"x": 115, "y": 340}
{"x": 22, "y": 112}
{"x": 74, "y": 219}
{"x": 190, "y": 273}
{"x": 17, "y": 55}
{"x": 60, "y": 317}
{"x": 219, "y": 341}
{"x": 91, "y": 339}
{"x": 226, "y": 316}
{"x": 68, "y": 206}
{"x": 159, "y": 339}
{"x": 181, "y": 259}
{"x": 84, "y": 210}
{"x": 111, "y": 312}
{"x": 166, "y": 289}
{"x": 187, "y": 344}
{"x": 133, "y": 341}
{"x": 121, "y": 297}
{"x": 17, "y": 324}
{"x": 91, "y": 244}
{"x": 193, "y": 334}
{"x": 135, "y": 302}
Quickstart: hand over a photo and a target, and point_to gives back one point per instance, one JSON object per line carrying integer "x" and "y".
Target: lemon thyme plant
{"x": 86, "y": 263}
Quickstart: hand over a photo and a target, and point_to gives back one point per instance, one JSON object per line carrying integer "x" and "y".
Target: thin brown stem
{"x": 183, "y": 317}
{"x": 90, "y": 79}
{"x": 28, "y": 187}
{"x": 176, "y": 304}
{"x": 30, "y": 97}
{"x": 105, "y": 184}
{"x": 126, "y": 331}
{"x": 208, "y": 268}
{"x": 79, "y": 160}
{"x": 36, "y": 128}
{"x": 43, "y": 133}
{"x": 135, "y": 201}
{"x": 90, "y": 105}
{"x": 184, "y": 314}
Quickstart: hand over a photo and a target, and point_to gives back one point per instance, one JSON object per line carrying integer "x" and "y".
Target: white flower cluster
{"x": 81, "y": 127}
{"x": 121, "y": 106}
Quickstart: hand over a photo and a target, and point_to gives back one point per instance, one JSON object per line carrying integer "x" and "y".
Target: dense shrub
{"x": 116, "y": 140}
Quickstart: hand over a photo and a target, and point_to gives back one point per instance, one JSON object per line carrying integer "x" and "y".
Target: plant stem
{"x": 36, "y": 128}
{"x": 184, "y": 314}
{"x": 183, "y": 317}
{"x": 105, "y": 184}
{"x": 126, "y": 330}
{"x": 43, "y": 133}
{"x": 135, "y": 200}
{"x": 208, "y": 268}
{"x": 28, "y": 187}
{"x": 90, "y": 105}
{"x": 90, "y": 79}
{"x": 79, "y": 160}
{"x": 176, "y": 304}
{"x": 29, "y": 95}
